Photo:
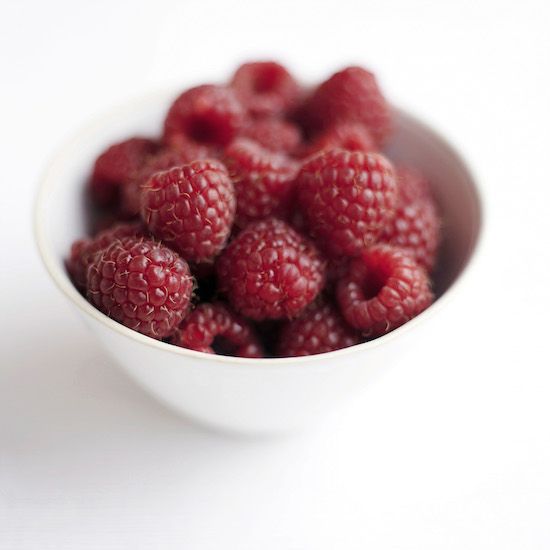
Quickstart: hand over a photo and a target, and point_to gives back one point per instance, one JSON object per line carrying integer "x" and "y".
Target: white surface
{"x": 451, "y": 452}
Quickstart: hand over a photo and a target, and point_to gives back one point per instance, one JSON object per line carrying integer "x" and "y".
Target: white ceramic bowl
{"x": 248, "y": 395}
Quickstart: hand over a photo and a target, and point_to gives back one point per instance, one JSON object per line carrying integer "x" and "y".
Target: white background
{"x": 451, "y": 452}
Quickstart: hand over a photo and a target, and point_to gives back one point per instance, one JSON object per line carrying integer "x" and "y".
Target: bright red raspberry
{"x": 84, "y": 252}
{"x": 215, "y": 328}
{"x": 133, "y": 188}
{"x": 205, "y": 115}
{"x": 319, "y": 329}
{"x": 347, "y": 197}
{"x": 275, "y": 134}
{"x": 352, "y": 136}
{"x": 351, "y": 95}
{"x": 191, "y": 208}
{"x": 115, "y": 165}
{"x": 384, "y": 289}
{"x": 266, "y": 88}
{"x": 263, "y": 180}
{"x": 269, "y": 271}
{"x": 142, "y": 284}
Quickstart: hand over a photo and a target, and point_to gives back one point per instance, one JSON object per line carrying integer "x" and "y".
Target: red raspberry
{"x": 269, "y": 271}
{"x": 84, "y": 252}
{"x": 265, "y": 88}
{"x": 416, "y": 228}
{"x": 142, "y": 284}
{"x": 347, "y": 197}
{"x": 352, "y": 136}
{"x": 115, "y": 165}
{"x": 319, "y": 329}
{"x": 214, "y": 328}
{"x": 384, "y": 289}
{"x": 416, "y": 225}
{"x": 351, "y": 95}
{"x": 133, "y": 188}
{"x": 205, "y": 115}
{"x": 263, "y": 180}
{"x": 191, "y": 208}
{"x": 411, "y": 184}
{"x": 275, "y": 134}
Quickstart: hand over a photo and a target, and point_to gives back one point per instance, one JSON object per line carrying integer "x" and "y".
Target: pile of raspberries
{"x": 265, "y": 221}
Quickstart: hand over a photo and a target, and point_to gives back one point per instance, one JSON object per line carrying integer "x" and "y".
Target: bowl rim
{"x": 60, "y": 277}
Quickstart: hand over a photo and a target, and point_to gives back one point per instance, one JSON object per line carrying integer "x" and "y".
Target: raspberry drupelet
{"x": 215, "y": 328}
{"x": 142, "y": 284}
{"x": 269, "y": 271}
{"x": 321, "y": 328}
{"x": 191, "y": 208}
{"x": 347, "y": 198}
{"x": 384, "y": 288}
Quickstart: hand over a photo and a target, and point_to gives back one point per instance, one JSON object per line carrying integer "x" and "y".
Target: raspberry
{"x": 84, "y": 252}
{"x": 263, "y": 180}
{"x": 352, "y": 136}
{"x": 133, "y": 188}
{"x": 351, "y": 95}
{"x": 265, "y": 88}
{"x": 214, "y": 328}
{"x": 384, "y": 288}
{"x": 319, "y": 329}
{"x": 115, "y": 165}
{"x": 416, "y": 228}
{"x": 275, "y": 134}
{"x": 205, "y": 115}
{"x": 347, "y": 197}
{"x": 411, "y": 184}
{"x": 191, "y": 208}
{"x": 142, "y": 284}
{"x": 269, "y": 271}
{"x": 416, "y": 225}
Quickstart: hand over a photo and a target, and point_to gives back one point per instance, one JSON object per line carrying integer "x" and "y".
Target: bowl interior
{"x": 60, "y": 215}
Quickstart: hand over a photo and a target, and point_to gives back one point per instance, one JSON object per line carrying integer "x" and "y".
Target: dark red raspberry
{"x": 319, "y": 329}
{"x": 84, "y": 252}
{"x": 352, "y": 136}
{"x": 265, "y": 88}
{"x": 416, "y": 225}
{"x": 263, "y": 180}
{"x": 347, "y": 197}
{"x": 214, "y": 328}
{"x": 115, "y": 165}
{"x": 191, "y": 208}
{"x": 269, "y": 271}
{"x": 142, "y": 284}
{"x": 384, "y": 289}
{"x": 133, "y": 188}
{"x": 205, "y": 115}
{"x": 350, "y": 95}
{"x": 275, "y": 134}
{"x": 416, "y": 228}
